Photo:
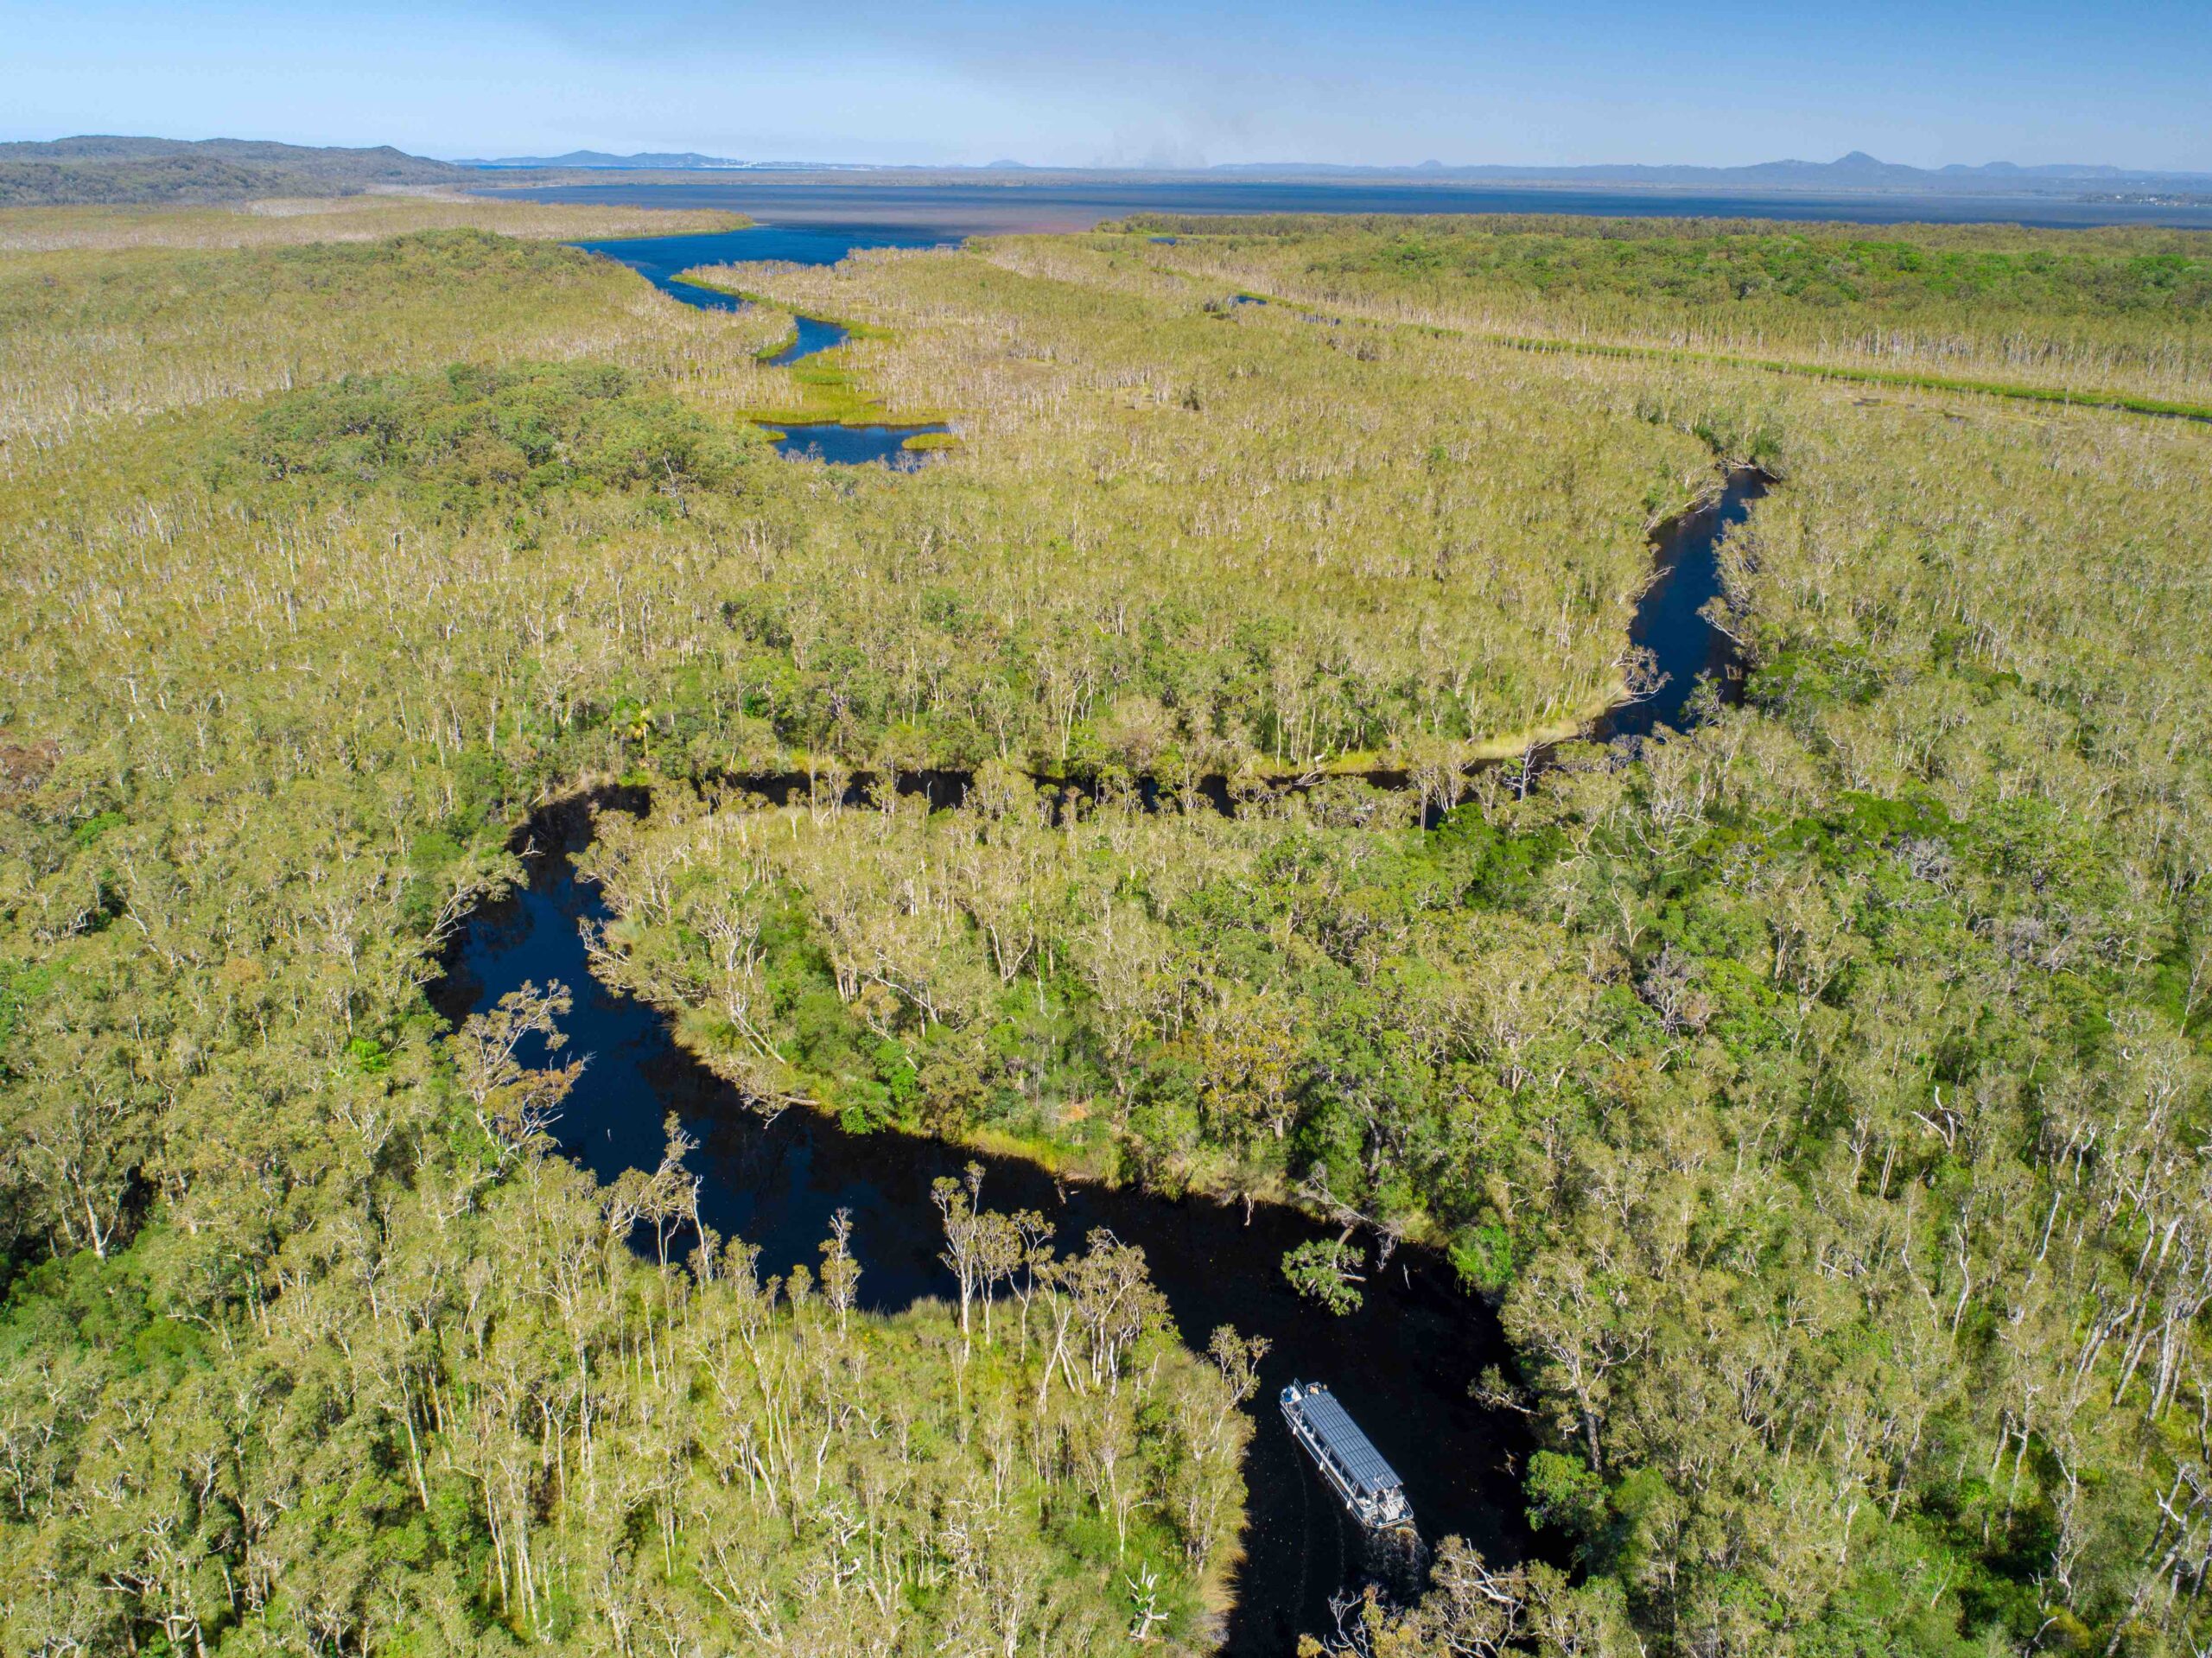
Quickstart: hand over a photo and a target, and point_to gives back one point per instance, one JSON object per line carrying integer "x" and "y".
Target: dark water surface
{"x": 815, "y": 334}
{"x": 1669, "y": 621}
{"x": 1401, "y": 1363}
{"x": 951, "y": 211}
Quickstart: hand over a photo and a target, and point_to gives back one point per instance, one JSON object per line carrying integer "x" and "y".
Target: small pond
{"x": 853, "y": 446}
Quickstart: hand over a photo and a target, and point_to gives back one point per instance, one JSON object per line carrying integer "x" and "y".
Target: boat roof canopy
{"x": 1354, "y": 1452}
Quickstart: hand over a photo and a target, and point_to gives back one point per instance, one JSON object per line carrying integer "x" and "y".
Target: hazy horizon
{"x": 1425, "y": 163}
{"x": 1148, "y": 84}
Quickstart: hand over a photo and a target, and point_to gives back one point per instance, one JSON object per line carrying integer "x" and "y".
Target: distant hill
{"x": 144, "y": 171}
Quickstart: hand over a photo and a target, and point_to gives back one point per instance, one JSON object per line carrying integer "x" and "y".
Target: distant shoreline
{"x": 985, "y": 201}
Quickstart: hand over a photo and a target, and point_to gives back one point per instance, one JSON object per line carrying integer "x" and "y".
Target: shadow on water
{"x": 1401, "y": 1363}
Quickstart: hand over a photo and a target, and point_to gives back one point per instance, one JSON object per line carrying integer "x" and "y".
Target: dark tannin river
{"x": 1670, "y": 621}
{"x": 1401, "y": 1363}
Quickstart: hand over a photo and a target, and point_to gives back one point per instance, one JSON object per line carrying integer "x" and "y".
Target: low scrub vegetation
{"x": 2120, "y": 312}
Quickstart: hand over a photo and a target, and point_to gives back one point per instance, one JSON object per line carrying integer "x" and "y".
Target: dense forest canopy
{"x": 1821, "y": 1095}
{"x": 411, "y": 1383}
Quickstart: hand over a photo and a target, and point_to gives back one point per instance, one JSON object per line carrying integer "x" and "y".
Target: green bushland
{"x": 1820, "y": 1095}
{"x": 825, "y": 388}
{"x": 471, "y": 439}
{"x": 1896, "y": 377}
{"x": 1255, "y": 557}
{"x": 829, "y": 389}
{"x": 2114, "y": 314}
{"x": 92, "y": 335}
{"x": 282, "y": 675}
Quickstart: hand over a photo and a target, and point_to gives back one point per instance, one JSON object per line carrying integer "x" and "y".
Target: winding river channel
{"x": 1402, "y": 1362}
{"x": 661, "y": 260}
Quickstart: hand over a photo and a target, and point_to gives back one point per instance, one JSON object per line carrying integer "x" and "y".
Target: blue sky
{"x": 1137, "y": 82}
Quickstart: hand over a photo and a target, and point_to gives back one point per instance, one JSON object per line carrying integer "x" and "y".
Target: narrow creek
{"x": 1669, "y": 620}
{"x": 1402, "y": 1362}
{"x": 813, "y": 334}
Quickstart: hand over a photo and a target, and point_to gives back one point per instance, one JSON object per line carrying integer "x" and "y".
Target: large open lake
{"x": 1060, "y": 204}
